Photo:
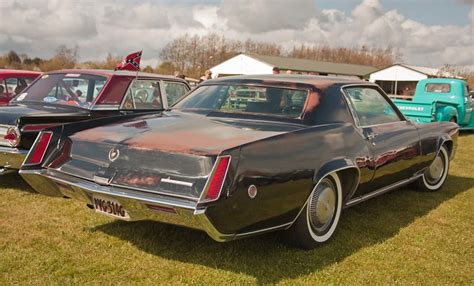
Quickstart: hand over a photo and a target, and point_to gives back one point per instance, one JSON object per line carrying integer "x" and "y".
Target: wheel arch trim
{"x": 328, "y": 168}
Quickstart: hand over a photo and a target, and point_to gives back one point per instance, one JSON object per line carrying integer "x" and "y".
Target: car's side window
{"x": 370, "y": 107}
{"x": 143, "y": 94}
{"x": 174, "y": 91}
{"x": 11, "y": 84}
{"x": 3, "y": 88}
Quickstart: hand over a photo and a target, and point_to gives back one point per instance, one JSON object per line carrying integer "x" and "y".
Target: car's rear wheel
{"x": 319, "y": 218}
{"x": 435, "y": 175}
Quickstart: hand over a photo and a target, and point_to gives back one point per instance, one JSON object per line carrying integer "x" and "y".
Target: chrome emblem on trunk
{"x": 114, "y": 154}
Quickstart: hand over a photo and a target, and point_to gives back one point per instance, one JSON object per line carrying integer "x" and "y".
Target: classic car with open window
{"x": 13, "y": 82}
{"x": 290, "y": 157}
{"x": 74, "y": 95}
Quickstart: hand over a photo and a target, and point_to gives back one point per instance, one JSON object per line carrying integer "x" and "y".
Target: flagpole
{"x": 138, "y": 69}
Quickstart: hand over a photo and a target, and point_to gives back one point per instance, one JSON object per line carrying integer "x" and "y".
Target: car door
{"x": 468, "y": 105}
{"x": 174, "y": 91}
{"x": 143, "y": 95}
{"x": 393, "y": 141}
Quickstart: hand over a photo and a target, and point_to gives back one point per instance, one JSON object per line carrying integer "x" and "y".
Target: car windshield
{"x": 247, "y": 99}
{"x": 76, "y": 89}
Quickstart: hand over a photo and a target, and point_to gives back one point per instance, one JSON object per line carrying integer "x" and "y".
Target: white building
{"x": 400, "y": 79}
{"x": 249, "y": 64}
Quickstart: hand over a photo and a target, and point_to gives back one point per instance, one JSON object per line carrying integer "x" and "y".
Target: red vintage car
{"x": 13, "y": 82}
{"x": 64, "y": 96}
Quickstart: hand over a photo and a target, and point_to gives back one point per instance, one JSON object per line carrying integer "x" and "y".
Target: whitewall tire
{"x": 319, "y": 218}
{"x": 435, "y": 175}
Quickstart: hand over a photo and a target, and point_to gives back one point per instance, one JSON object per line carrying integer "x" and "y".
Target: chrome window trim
{"x": 188, "y": 89}
{"x": 157, "y": 80}
{"x": 300, "y": 117}
{"x": 124, "y": 98}
{"x": 384, "y": 95}
{"x": 105, "y": 107}
{"x": 164, "y": 99}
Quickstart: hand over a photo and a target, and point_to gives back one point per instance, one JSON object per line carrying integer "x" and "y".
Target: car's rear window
{"x": 247, "y": 99}
{"x": 74, "y": 89}
{"x": 438, "y": 87}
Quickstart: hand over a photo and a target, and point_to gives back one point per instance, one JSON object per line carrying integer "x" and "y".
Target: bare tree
{"x": 65, "y": 58}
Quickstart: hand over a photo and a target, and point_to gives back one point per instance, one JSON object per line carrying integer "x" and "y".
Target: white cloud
{"x": 258, "y": 16}
{"x": 119, "y": 27}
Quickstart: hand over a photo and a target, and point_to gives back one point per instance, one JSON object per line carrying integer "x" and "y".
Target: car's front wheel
{"x": 319, "y": 218}
{"x": 435, "y": 175}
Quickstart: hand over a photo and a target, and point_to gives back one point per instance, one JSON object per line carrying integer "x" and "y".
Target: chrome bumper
{"x": 136, "y": 203}
{"x": 11, "y": 159}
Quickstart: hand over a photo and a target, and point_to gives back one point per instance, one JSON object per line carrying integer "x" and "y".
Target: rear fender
{"x": 347, "y": 170}
{"x": 348, "y": 173}
{"x": 446, "y": 113}
{"x": 447, "y": 140}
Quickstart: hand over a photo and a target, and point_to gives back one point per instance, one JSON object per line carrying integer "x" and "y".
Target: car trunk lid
{"x": 171, "y": 154}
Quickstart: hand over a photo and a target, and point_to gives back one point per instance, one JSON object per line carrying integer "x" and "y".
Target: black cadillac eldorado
{"x": 241, "y": 156}
{"x": 75, "y": 95}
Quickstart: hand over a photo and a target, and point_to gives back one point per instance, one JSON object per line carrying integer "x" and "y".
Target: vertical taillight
{"x": 216, "y": 179}
{"x": 38, "y": 151}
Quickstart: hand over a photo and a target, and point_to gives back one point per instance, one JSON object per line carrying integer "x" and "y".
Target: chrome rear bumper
{"x": 11, "y": 159}
{"x": 139, "y": 205}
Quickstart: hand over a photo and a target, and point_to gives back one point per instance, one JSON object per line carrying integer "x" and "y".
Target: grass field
{"x": 404, "y": 237}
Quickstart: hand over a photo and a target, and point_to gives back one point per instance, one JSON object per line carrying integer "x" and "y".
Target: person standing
{"x": 207, "y": 75}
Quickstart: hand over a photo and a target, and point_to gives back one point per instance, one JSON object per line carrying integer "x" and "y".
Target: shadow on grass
{"x": 15, "y": 181}
{"x": 268, "y": 259}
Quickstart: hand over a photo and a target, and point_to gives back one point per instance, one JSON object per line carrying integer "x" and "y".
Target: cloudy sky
{"x": 425, "y": 32}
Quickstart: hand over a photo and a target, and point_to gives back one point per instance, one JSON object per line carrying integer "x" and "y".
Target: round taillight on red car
{"x": 12, "y": 136}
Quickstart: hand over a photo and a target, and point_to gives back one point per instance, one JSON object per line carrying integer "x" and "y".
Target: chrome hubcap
{"x": 322, "y": 205}
{"x": 435, "y": 171}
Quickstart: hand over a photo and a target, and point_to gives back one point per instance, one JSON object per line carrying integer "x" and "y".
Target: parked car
{"x": 74, "y": 95}
{"x": 291, "y": 162}
{"x": 440, "y": 99}
{"x": 13, "y": 82}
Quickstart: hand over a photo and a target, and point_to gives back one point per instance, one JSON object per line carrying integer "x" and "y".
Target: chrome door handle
{"x": 371, "y": 136}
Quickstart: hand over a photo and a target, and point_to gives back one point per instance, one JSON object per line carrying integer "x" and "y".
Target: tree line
{"x": 192, "y": 55}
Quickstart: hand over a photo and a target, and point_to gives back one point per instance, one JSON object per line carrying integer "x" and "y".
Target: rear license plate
{"x": 110, "y": 207}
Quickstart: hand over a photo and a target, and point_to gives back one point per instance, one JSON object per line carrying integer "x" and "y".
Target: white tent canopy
{"x": 399, "y": 73}
{"x": 241, "y": 64}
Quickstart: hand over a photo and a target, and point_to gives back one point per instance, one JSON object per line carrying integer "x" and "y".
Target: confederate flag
{"x": 130, "y": 62}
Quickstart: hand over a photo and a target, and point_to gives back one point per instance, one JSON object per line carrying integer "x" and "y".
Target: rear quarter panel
{"x": 283, "y": 169}
{"x": 433, "y": 135}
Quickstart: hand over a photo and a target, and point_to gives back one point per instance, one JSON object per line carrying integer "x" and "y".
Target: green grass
{"x": 403, "y": 237}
